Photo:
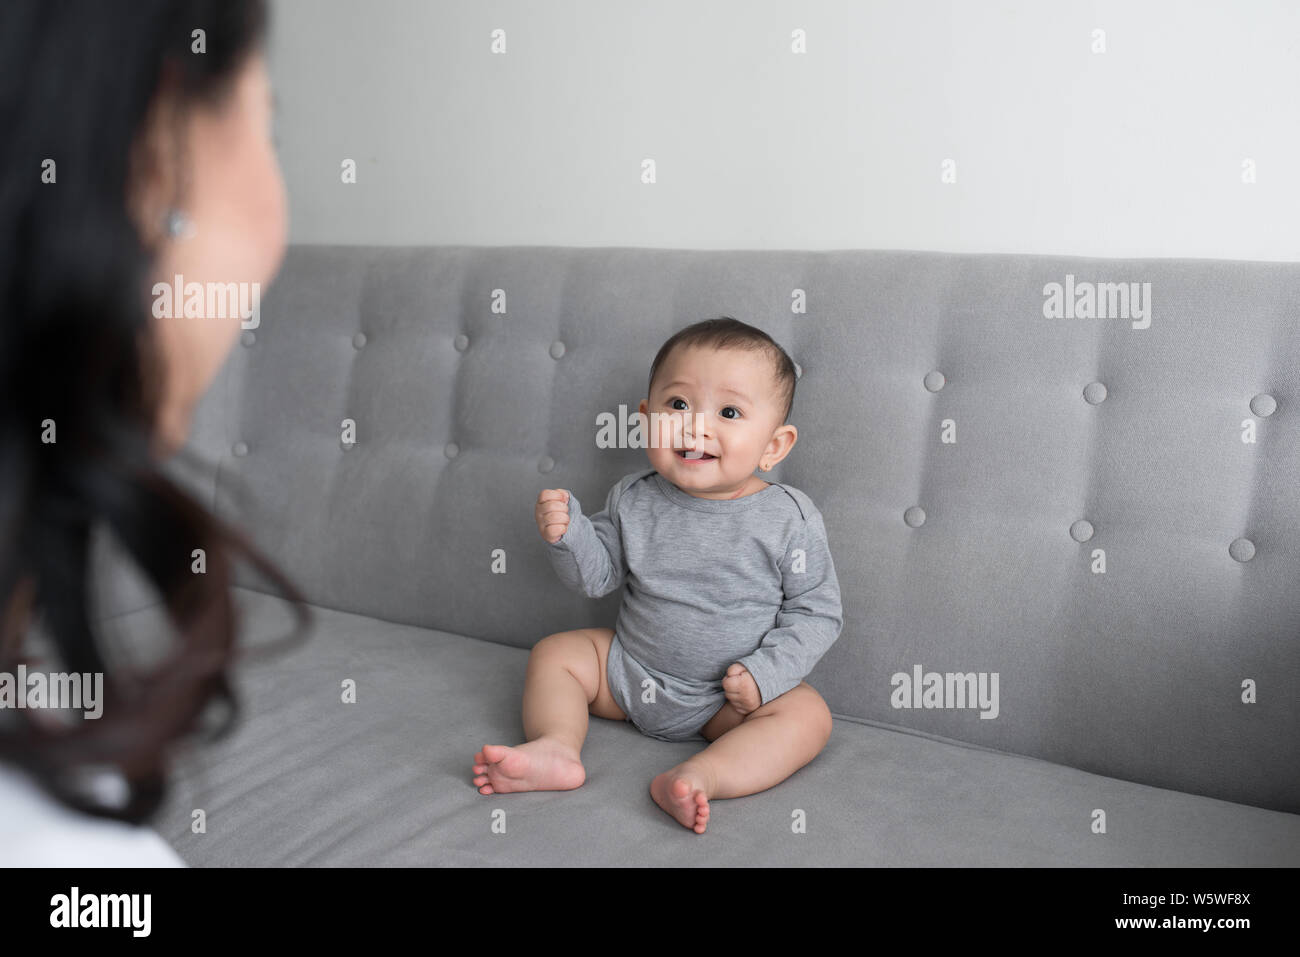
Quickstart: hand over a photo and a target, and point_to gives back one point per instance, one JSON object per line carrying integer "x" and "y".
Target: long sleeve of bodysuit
{"x": 810, "y": 618}
{"x": 588, "y": 557}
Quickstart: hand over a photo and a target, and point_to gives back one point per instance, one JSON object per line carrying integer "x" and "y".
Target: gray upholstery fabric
{"x": 1072, "y": 435}
{"x": 308, "y": 780}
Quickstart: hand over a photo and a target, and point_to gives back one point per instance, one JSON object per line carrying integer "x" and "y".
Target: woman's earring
{"x": 177, "y": 224}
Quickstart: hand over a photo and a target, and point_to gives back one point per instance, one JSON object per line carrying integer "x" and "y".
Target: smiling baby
{"x": 729, "y": 591}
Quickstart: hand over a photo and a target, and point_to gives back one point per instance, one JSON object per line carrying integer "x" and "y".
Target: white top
{"x": 38, "y": 831}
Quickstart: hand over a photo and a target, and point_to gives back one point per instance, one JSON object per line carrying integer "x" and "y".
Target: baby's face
{"x": 722, "y": 403}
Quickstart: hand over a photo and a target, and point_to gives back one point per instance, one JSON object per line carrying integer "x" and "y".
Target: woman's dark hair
{"x": 77, "y": 80}
{"x": 725, "y": 332}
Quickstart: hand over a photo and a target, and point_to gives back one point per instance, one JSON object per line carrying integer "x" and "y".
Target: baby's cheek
{"x": 670, "y": 431}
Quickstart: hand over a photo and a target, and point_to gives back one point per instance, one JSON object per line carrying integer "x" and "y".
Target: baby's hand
{"x": 741, "y": 689}
{"x": 552, "y": 514}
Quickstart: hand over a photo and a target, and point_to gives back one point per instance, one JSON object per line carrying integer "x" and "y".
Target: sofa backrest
{"x": 1100, "y": 508}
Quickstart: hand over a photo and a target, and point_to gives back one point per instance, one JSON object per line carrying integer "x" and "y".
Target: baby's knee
{"x": 573, "y": 651}
{"x": 814, "y": 712}
{"x": 825, "y": 723}
{"x": 563, "y": 647}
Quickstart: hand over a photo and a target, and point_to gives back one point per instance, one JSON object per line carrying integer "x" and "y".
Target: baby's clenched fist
{"x": 741, "y": 689}
{"x": 553, "y": 513}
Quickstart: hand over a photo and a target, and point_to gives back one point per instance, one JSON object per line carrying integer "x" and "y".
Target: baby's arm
{"x": 810, "y": 619}
{"x": 588, "y": 557}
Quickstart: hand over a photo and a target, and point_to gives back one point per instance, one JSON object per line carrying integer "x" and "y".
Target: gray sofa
{"x": 1114, "y": 533}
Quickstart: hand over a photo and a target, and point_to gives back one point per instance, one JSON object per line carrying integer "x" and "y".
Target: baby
{"x": 730, "y": 599}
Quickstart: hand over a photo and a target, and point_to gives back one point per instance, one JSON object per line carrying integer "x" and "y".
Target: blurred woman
{"x": 136, "y": 148}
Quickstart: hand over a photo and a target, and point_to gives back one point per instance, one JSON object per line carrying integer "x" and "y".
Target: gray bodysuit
{"x": 709, "y": 582}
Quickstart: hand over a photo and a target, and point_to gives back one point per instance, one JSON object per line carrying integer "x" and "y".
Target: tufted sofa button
{"x": 451, "y": 450}
{"x": 1243, "y": 549}
{"x": 1263, "y": 405}
{"x": 1094, "y": 393}
{"x": 934, "y": 380}
{"x": 461, "y": 342}
{"x": 1082, "y": 530}
{"x": 248, "y": 337}
{"x": 240, "y": 449}
{"x": 359, "y": 340}
{"x": 914, "y": 516}
{"x": 545, "y": 464}
{"x": 557, "y": 349}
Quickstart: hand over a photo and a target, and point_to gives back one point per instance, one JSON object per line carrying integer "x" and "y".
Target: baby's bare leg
{"x": 749, "y": 754}
{"x": 566, "y": 678}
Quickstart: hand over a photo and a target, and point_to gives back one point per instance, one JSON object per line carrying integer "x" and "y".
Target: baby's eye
{"x": 671, "y": 401}
{"x": 734, "y": 409}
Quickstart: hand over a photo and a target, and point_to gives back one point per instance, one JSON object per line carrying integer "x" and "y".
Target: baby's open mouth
{"x": 693, "y": 456}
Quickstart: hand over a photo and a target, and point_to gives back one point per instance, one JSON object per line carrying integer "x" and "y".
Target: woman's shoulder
{"x": 37, "y": 831}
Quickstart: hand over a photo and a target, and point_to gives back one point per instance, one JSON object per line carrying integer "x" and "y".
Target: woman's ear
{"x": 155, "y": 180}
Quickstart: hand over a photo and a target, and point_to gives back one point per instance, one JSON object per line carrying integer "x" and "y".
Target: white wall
{"x": 1136, "y": 151}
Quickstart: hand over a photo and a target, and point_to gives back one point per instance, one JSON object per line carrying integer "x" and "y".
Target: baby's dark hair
{"x": 728, "y": 333}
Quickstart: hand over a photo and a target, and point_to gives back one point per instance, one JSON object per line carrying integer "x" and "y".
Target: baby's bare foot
{"x": 540, "y": 765}
{"x": 680, "y": 792}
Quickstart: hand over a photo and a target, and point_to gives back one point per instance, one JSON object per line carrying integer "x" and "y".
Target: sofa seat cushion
{"x": 306, "y": 779}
